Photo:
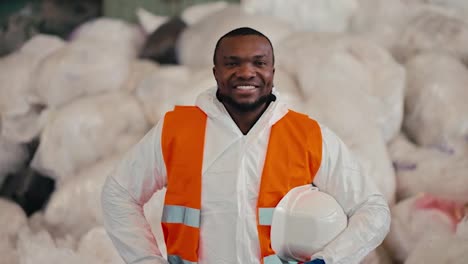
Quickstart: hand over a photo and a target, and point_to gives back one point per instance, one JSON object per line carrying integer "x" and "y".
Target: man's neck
{"x": 245, "y": 120}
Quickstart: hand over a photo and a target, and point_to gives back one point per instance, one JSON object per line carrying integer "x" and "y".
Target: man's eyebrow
{"x": 231, "y": 58}
{"x": 238, "y": 58}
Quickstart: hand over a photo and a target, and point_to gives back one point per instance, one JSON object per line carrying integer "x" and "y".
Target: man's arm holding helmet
{"x": 132, "y": 183}
{"x": 341, "y": 176}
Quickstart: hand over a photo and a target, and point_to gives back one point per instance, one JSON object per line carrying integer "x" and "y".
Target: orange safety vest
{"x": 293, "y": 157}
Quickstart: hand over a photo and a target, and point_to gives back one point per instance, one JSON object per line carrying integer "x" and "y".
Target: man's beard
{"x": 246, "y": 107}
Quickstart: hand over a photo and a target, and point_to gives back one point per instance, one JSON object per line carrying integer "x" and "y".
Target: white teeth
{"x": 245, "y": 87}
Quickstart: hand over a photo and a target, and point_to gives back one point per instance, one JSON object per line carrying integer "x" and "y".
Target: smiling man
{"x": 227, "y": 162}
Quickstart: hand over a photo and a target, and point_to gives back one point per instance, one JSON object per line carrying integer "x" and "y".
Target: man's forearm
{"x": 127, "y": 226}
{"x": 367, "y": 227}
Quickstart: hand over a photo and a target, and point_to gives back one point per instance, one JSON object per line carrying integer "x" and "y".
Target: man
{"x": 229, "y": 160}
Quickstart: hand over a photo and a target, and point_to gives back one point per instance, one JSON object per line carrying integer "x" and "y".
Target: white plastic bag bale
{"x": 8, "y": 252}
{"x": 75, "y": 207}
{"x": 336, "y": 82}
{"x": 435, "y": 104}
{"x": 149, "y": 21}
{"x": 287, "y": 87}
{"x": 349, "y": 63}
{"x": 451, "y": 249}
{"x": 36, "y": 222}
{"x": 170, "y": 86}
{"x": 196, "y": 44}
{"x": 97, "y": 60}
{"x": 197, "y": 12}
{"x": 87, "y": 130}
{"x": 97, "y": 243}
{"x": 305, "y": 15}
{"x": 12, "y": 219}
{"x": 459, "y": 7}
{"x": 382, "y": 21}
{"x": 13, "y": 156}
{"x": 111, "y": 33}
{"x": 18, "y": 113}
{"x": 438, "y": 170}
{"x": 462, "y": 227}
{"x": 433, "y": 30}
{"x": 440, "y": 249}
{"x": 159, "y": 91}
{"x": 418, "y": 217}
{"x": 40, "y": 247}
{"x": 139, "y": 70}
{"x": 378, "y": 256}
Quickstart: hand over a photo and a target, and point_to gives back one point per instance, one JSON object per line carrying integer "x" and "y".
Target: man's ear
{"x": 273, "y": 83}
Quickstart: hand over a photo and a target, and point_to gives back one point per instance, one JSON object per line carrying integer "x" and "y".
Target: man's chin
{"x": 245, "y": 105}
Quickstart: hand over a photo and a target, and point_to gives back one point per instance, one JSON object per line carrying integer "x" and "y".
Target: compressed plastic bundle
{"x": 451, "y": 249}
{"x": 97, "y": 60}
{"x": 139, "y": 70}
{"x": 40, "y": 247}
{"x": 417, "y": 218}
{"x": 12, "y": 219}
{"x": 110, "y": 33}
{"x": 87, "y": 130}
{"x": 170, "y": 86}
{"x": 160, "y": 46}
{"x": 342, "y": 91}
{"x": 435, "y": 105}
{"x": 20, "y": 117}
{"x": 305, "y": 15}
{"x": 436, "y": 170}
{"x": 37, "y": 223}
{"x": 288, "y": 89}
{"x": 196, "y": 44}
{"x": 348, "y": 63}
{"x": 383, "y": 21}
{"x": 148, "y": 21}
{"x": 195, "y": 13}
{"x": 8, "y": 252}
{"x": 75, "y": 207}
{"x": 12, "y": 157}
{"x": 366, "y": 143}
{"x": 433, "y": 30}
{"x": 378, "y": 256}
{"x": 98, "y": 244}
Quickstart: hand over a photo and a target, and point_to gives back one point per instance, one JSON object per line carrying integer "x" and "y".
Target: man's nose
{"x": 246, "y": 71}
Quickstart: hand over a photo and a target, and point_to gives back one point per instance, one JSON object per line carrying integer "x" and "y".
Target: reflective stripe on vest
{"x": 273, "y": 259}
{"x": 181, "y": 215}
{"x": 295, "y": 140}
{"x": 173, "y": 259}
{"x": 265, "y": 216}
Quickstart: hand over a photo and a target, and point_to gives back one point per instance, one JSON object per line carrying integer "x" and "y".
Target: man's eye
{"x": 260, "y": 63}
{"x": 231, "y": 64}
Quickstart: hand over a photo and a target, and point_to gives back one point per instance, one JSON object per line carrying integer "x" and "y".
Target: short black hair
{"x": 242, "y": 31}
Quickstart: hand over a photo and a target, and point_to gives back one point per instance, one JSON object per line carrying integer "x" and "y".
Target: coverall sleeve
{"x": 132, "y": 183}
{"x": 341, "y": 176}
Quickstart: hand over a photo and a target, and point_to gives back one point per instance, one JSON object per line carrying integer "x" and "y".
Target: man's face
{"x": 244, "y": 71}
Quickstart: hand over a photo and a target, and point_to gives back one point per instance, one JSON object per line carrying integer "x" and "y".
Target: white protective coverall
{"x": 231, "y": 172}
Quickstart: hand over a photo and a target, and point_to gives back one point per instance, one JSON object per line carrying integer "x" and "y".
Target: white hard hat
{"x": 304, "y": 222}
